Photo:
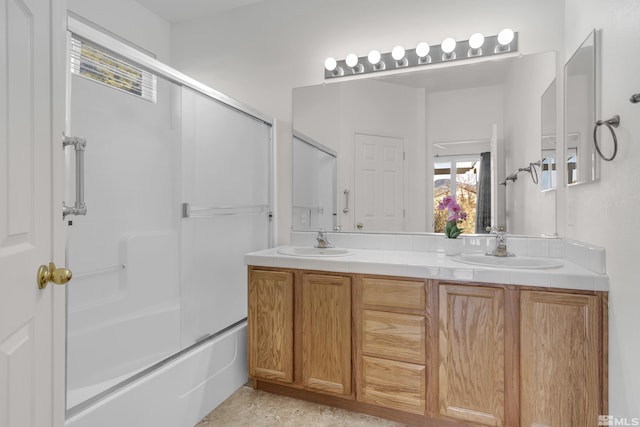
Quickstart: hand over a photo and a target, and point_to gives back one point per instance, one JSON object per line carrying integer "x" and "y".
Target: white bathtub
{"x": 180, "y": 392}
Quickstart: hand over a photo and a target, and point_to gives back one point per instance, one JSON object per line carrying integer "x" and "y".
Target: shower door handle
{"x": 79, "y": 145}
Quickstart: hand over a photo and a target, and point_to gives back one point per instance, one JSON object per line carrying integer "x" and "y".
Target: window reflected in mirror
{"x": 468, "y": 179}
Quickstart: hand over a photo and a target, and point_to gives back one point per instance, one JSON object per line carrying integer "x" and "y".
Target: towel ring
{"x": 613, "y": 122}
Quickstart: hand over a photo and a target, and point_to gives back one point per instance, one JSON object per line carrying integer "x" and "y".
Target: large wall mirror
{"x": 406, "y": 139}
{"x": 548, "y": 138}
{"x": 580, "y": 113}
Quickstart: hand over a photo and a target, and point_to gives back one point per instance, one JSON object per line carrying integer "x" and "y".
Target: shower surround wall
{"x": 160, "y": 289}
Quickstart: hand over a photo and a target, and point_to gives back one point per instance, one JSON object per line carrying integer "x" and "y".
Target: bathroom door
{"x": 379, "y": 183}
{"x": 29, "y": 317}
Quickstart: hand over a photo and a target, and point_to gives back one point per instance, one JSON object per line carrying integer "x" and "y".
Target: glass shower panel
{"x": 124, "y": 300}
{"x": 226, "y": 188}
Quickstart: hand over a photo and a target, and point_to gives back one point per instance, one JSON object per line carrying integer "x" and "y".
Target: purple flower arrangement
{"x": 456, "y": 215}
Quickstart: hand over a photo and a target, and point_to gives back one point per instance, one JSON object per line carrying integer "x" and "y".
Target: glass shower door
{"x": 226, "y": 189}
{"x": 124, "y": 303}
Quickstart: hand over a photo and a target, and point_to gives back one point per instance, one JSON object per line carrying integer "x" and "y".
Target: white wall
{"x": 259, "y": 53}
{"x": 129, "y": 20}
{"x": 464, "y": 114}
{"x": 604, "y": 212}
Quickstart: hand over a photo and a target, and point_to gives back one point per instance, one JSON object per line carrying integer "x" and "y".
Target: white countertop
{"x": 434, "y": 265}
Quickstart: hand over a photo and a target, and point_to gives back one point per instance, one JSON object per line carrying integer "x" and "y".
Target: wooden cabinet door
{"x": 559, "y": 361}
{"x": 326, "y": 333}
{"x": 471, "y": 354}
{"x": 271, "y": 325}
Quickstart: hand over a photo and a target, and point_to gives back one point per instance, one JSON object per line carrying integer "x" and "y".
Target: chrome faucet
{"x": 501, "y": 244}
{"x": 322, "y": 240}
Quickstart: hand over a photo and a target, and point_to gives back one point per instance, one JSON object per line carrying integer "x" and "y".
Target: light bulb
{"x": 351, "y": 60}
{"x": 397, "y": 53}
{"x": 505, "y": 36}
{"x": 422, "y": 49}
{"x": 374, "y": 57}
{"x": 330, "y": 64}
{"x": 476, "y": 41}
{"x": 448, "y": 45}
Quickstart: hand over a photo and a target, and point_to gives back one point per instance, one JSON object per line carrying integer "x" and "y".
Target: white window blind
{"x": 97, "y": 64}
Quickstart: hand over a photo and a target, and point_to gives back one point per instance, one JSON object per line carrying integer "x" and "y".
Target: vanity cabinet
{"x": 326, "y": 333}
{"x": 300, "y": 330}
{"x": 562, "y": 359}
{"x": 392, "y": 354}
{"x": 430, "y": 352}
{"x": 270, "y": 325}
{"x": 471, "y": 359}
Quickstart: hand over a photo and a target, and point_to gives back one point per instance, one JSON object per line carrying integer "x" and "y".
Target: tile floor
{"x": 254, "y": 408}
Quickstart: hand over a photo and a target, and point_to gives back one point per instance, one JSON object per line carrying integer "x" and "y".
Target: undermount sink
{"x": 507, "y": 262}
{"x": 309, "y": 251}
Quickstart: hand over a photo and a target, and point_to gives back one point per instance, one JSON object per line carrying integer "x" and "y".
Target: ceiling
{"x": 175, "y": 11}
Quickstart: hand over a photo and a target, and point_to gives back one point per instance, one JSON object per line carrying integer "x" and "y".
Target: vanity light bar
{"x": 449, "y": 50}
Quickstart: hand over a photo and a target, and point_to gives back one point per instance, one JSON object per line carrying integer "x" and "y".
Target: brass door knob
{"x": 59, "y": 276}
{"x": 359, "y": 225}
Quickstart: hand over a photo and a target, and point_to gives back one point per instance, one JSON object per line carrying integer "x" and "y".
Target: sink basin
{"x": 507, "y": 262}
{"x": 309, "y": 251}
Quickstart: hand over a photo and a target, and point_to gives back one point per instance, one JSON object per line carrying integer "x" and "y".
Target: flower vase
{"x": 452, "y": 246}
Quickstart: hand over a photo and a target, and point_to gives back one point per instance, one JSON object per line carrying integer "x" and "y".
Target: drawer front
{"x": 394, "y": 336}
{"x": 392, "y": 384}
{"x": 400, "y": 294}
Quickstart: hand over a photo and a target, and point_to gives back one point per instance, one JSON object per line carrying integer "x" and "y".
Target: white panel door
{"x": 379, "y": 183}
{"x": 26, "y": 365}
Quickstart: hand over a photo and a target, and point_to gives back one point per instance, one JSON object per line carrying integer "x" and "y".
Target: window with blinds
{"x": 97, "y": 64}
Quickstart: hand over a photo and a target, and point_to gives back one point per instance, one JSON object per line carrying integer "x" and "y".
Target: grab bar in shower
{"x": 189, "y": 211}
{"x": 100, "y": 271}
{"x": 79, "y": 207}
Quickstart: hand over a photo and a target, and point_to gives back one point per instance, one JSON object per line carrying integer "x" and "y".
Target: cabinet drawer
{"x": 396, "y": 385}
{"x": 401, "y": 294}
{"x": 394, "y": 336}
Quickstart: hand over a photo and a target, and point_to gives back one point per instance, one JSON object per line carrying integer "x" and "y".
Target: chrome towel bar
{"x": 613, "y": 122}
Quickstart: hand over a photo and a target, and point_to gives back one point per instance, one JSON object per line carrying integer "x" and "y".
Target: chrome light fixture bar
{"x": 424, "y": 54}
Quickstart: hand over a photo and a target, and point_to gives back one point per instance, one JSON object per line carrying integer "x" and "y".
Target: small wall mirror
{"x": 580, "y": 113}
{"x": 548, "y": 138}
{"x": 314, "y": 185}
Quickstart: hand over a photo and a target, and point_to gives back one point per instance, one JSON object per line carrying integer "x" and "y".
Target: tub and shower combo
{"x": 176, "y": 182}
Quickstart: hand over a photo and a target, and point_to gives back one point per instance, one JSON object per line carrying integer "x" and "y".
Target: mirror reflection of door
{"x": 379, "y": 183}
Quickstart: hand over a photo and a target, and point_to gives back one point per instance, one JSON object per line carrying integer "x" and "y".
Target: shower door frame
{"x": 84, "y": 30}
